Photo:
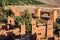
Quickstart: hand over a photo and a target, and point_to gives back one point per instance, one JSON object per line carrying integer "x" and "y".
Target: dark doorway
{"x": 52, "y": 38}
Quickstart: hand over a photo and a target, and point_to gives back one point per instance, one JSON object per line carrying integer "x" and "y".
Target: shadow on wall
{"x": 32, "y": 37}
{"x": 9, "y": 37}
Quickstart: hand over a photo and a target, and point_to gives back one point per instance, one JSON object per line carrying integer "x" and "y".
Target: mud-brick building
{"x": 43, "y": 31}
{"x": 5, "y": 29}
{"x": 17, "y": 31}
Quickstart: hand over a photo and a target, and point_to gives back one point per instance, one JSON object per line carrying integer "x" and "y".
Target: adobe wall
{"x": 38, "y": 13}
{"x": 10, "y": 20}
{"x": 41, "y": 32}
{"x": 50, "y": 28}
{"x": 23, "y": 29}
{"x": 33, "y": 22}
{"x": 55, "y": 15}
{"x": 56, "y": 38}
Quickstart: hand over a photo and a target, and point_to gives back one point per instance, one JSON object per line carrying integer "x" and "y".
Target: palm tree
{"x": 27, "y": 14}
{"x": 40, "y": 21}
{"x": 8, "y": 12}
{"x": 58, "y": 22}
{"x": 0, "y": 3}
{"x": 28, "y": 17}
{"x": 4, "y": 2}
{"x": 24, "y": 19}
{"x": 19, "y": 20}
{"x": 55, "y": 28}
{"x": 3, "y": 18}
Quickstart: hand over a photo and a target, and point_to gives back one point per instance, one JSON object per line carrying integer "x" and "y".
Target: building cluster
{"x": 43, "y": 31}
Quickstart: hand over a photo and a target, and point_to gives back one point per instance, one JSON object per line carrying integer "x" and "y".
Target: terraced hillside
{"x": 30, "y": 2}
{"x": 21, "y": 2}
